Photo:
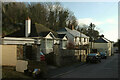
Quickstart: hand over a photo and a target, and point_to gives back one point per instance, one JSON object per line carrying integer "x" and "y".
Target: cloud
{"x": 88, "y": 21}
{"x": 111, "y": 21}
{"x": 108, "y": 27}
{"x": 111, "y": 34}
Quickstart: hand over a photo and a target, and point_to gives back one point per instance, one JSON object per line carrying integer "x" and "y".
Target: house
{"x": 74, "y": 37}
{"x": 39, "y": 33}
{"x": 103, "y": 44}
{"x": 63, "y": 41}
{"x": 112, "y": 47}
{"x": 10, "y": 50}
{"x": 27, "y": 42}
{"x": 77, "y": 41}
{"x": 15, "y": 46}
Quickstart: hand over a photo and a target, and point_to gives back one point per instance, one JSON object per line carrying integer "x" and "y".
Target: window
{"x": 84, "y": 39}
{"x": 64, "y": 44}
{"x": 49, "y": 43}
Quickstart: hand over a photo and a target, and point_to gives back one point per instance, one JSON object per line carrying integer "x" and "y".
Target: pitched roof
{"x": 75, "y": 33}
{"x": 43, "y": 34}
{"x": 37, "y": 30}
{"x": 108, "y": 40}
{"x": 101, "y": 40}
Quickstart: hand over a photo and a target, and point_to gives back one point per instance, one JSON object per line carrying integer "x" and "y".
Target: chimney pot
{"x": 28, "y": 18}
{"x": 72, "y": 27}
{"x": 102, "y": 35}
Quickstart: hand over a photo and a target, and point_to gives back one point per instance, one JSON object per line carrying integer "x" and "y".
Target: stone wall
{"x": 65, "y": 56}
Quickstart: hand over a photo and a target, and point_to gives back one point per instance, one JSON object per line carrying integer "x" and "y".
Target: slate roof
{"x": 44, "y": 34}
{"x": 109, "y": 40}
{"x": 37, "y": 30}
{"x": 101, "y": 40}
{"x": 75, "y": 33}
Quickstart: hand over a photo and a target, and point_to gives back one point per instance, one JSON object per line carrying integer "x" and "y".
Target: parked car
{"x": 42, "y": 56}
{"x": 116, "y": 51}
{"x": 94, "y": 51}
{"x": 93, "y": 58}
{"x": 103, "y": 55}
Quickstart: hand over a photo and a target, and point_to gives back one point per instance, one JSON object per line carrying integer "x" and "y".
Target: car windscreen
{"x": 91, "y": 54}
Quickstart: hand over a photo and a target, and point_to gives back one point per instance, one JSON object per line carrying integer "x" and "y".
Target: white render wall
{"x": 71, "y": 39}
{"x": 76, "y": 41}
{"x": 12, "y": 40}
{"x": 84, "y": 42}
{"x": 47, "y": 44}
{"x": 112, "y": 48}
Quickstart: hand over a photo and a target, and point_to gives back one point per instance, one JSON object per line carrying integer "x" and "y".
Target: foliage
{"x": 89, "y": 31}
{"x": 70, "y": 46}
{"x": 51, "y": 15}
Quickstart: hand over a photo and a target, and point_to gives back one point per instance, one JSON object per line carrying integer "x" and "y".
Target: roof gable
{"x": 65, "y": 38}
{"x": 50, "y": 35}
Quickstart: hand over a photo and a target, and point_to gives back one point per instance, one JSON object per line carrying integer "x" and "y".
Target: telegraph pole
{"x": 92, "y": 26}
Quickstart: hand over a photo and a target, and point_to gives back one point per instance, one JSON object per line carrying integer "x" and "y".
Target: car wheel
{"x": 105, "y": 57}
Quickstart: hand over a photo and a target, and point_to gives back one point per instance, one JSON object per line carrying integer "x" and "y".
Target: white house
{"x": 75, "y": 37}
{"x": 103, "y": 44}
{"x": 32, "y": 35}
{"x": 63, "y": 41}
{"x": 47, "y": 42}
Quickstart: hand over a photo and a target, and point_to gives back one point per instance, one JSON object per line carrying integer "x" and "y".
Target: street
{"x": 108, "y": 68}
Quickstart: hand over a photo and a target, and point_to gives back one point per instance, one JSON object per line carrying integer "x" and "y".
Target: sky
{"x": 103, "y": 14}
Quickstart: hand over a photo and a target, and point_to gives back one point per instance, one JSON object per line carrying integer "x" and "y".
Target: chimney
{"x": 27, "y": 27}
{"x": 72, "y": 27}
{"x": 102, "y": 35}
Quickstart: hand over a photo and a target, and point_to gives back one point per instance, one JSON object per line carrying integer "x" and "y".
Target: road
{"x": 108, "y": 68}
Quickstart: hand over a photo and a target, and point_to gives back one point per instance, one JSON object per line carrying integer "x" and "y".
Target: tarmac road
{"x": 108, "y": 68}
